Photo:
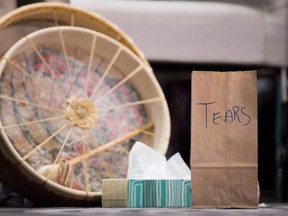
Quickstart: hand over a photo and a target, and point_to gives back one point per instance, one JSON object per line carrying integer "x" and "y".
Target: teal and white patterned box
{"x": 135, "y": 193}
{"x": 159, "y": 193}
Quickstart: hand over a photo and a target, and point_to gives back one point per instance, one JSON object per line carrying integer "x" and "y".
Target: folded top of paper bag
{"x": 146, "y": 163}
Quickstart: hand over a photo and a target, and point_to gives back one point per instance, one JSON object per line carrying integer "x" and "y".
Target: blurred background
{"x": 178, "y": 37}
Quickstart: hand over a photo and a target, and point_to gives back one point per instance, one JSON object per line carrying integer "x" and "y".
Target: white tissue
{"x": 177, "y": 168}
{"x": 146, "y": 163}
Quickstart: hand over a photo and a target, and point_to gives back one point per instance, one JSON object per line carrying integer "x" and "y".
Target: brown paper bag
{"x": 224, "y": 140}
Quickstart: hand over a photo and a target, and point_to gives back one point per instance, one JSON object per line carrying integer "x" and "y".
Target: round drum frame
{"x": 22, "y": 177}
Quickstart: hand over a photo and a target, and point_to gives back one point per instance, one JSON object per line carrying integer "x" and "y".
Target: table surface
{"x": 271, "y": 209}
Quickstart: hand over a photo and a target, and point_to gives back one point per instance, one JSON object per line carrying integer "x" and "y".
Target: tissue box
{"x": 136, "y": 193}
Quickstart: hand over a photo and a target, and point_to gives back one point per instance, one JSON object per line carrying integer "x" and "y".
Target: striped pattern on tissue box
{"x": 146, "y": 193}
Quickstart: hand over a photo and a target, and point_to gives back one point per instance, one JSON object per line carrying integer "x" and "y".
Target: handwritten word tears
{"x": 235, "y": 114}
